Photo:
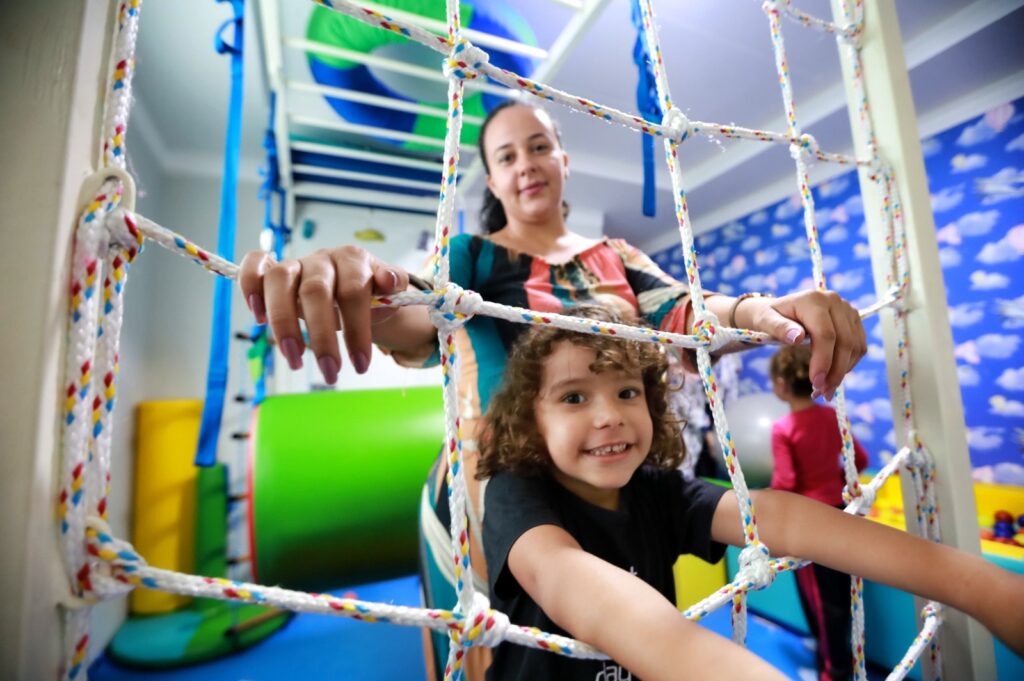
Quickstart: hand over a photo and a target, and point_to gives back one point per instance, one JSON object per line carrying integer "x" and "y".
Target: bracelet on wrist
{"x": 739, "y": 299}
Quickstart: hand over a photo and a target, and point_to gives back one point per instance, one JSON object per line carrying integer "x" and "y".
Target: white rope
{"x": 109, "y": 236}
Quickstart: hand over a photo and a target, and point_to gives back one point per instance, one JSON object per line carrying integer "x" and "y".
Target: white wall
{"x": 52, "y": 55}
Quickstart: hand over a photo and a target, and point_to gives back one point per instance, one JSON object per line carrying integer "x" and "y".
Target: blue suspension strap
{"x": 220, "y": 336}
{"x": 647, "y": 104}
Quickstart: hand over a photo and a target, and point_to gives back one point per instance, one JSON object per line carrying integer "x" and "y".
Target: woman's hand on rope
{"x": 834, "y": 326}
{"x": 331, "y": 290}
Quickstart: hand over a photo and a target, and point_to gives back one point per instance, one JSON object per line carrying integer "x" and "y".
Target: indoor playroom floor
{"x": 322, "y": 647}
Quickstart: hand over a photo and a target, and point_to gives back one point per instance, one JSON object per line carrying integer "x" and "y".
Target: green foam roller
{"x": 335, "y": 483}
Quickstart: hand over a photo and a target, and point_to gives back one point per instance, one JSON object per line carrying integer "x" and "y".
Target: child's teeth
{"x": 603, "y": 451}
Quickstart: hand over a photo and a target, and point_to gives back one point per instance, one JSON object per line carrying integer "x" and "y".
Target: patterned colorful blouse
{"x": 610, "y": 273}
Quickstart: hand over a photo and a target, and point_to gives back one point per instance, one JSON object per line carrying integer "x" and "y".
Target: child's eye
{"x": 630, "y": 393}
{"x": 573, "y": 398}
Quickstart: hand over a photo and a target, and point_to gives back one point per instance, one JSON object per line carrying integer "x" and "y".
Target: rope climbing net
{"x": 110, "y": 234}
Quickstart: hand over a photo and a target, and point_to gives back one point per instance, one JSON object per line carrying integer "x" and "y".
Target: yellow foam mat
{"x": 164, "y": 507}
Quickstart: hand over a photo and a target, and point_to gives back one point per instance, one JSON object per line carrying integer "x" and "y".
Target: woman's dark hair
{"x": 792, "y": 363}
{"x": 492, "y": 213}
{"x": 510, "y": 440}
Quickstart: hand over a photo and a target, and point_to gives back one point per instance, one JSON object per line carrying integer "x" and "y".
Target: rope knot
{"x": 677, "y": 125}
{"x": 805, "y": 145}
{"x": 464, "y": 61}
{"x": 769, "y": 6}
{"x": 755, "y": 567}
{"x": 852, "y": 34}
{"x": 481, "y": 626}
{"x": 706, "y": 329}
{"x": 858, "y": 498}
{"x": 111, "y": 574}
{"x": 454, "y": 307}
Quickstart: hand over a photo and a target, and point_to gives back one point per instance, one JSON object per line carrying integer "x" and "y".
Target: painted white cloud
{"x": 862, "y": 231}
{"x": 947, "y": 198}
{"x": 835, "y": 235}
{"x": 962, "y": 163}
{"x": 860, "y": 380}
{"x": 846, "y": 281}
{"x": 758, "y": 218}
{"x": 766, "y": 256}
{"x": 1001, "y": 474}
{"x": 930, "y": 147}
{"x": 854, "y": 205}
{"x": 733, "y": 231}
{"x": 1016, "y": 144}
{"x": 984, "y": 438}
{"x": 822, "y": 217}
{"x": 751, "y": 243}
{"x": 736, "y": 267}
{"x": 797, "y": 249}
{"x": 966, "y": 314}
{"x": 760, "y": 282}
{"x": 1001, "y": 406}
{"x": 759, "y": 364}
{"x": 1007, "y": 249}
{"x": 1011, "y": 379}
{"x": 876, "y": 352}
{"x": 834, "y": 187}
{"x": 861, "y": 250}
{"x": 705, "y": 240}
{"x": 968, "y": 375}
{"x": 997, "y": 345}
{"x": 788, "y": 208}
{"x": 786, "y": 275}
{"x": 780, "y": 230}
{"x": 949, "y": 257}
{"x": 890, "y": 439}
{"x": 1007, "y": 184}
{"x": 726, "y": 288}
{"x": 998, "y": 117}
{"x": 978, "y": 223}
{"x": 862, "y": 432}
{"x": 676, "y": 270}
{"x": 829, "y": 263}
{"x": 864, "y": 300}
{"x": 708, "y": 274}
{"x": 988, "y": 281}
{"x": 878, "y": 409}
{"x": 950, "y": 234}
{"x": 976, "y": 134}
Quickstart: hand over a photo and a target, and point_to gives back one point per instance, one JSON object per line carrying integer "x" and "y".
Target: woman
{"x": 527, "y": 257}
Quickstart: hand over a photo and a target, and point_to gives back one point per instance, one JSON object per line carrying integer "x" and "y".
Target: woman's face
{"x": 527, "y": 166}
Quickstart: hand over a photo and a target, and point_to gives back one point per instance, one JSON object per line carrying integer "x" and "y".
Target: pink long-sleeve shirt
{"x": 806, "y": 447}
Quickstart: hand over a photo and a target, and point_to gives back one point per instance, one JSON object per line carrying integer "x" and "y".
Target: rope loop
{"x": 464, "y": 61}
{"x": 805, "y": 145}
{"x": 677, "y": 124}
{"x": 859, "y": 498}
{"x": 771, "y": 6}
{"x": 454, "y": 307}
{"x": 117, "y": 560}
{"x": 755, "y": 567}
{"x": 482, "y": 625}
{"x": 852, "y": 34}
{"x": 707, "y": 329}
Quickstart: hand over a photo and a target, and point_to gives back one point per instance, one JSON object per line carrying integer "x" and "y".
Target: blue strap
{"x": 220, "y": 335}
{"x": 648, "y": 106}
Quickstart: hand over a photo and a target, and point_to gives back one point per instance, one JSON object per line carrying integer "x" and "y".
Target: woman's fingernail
{"x": 329, "y": 368}
{"x": 792, "y": 335}
{"x": 359, "y": 362}
{"x": 394, "y": 279}
{"x": 818, "y": 381}
{"x": 816, "y": 394}
{"x": 291, "y": 352}
{"x": 257, "y": 308}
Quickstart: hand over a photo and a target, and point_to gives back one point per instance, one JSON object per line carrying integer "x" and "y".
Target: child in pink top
{"x": 806, "y": 448}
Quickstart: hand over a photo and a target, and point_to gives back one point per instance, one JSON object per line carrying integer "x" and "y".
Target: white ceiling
{"x": 964, "y": 57}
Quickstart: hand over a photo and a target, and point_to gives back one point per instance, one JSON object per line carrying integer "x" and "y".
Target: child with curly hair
{"x": 806, "y": 446}
{"x": 587, "y": 512}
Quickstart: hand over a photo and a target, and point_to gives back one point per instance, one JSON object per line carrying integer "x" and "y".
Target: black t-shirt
{"x": 660, "y": 516}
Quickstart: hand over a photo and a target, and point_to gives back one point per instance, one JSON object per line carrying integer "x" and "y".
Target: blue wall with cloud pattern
{"x": 976, "y": 179}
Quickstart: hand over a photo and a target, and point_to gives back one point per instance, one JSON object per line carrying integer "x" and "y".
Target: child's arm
{"x": 790, "y": 524}
{"x": 621, "y": 615}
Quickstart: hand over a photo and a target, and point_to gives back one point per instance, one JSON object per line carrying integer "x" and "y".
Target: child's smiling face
{"x": 596, "y": 426}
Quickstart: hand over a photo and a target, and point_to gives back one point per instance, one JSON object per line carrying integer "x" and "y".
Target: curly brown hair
{"x": 510, "y": 440}
{"x": 792, "y": 364}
